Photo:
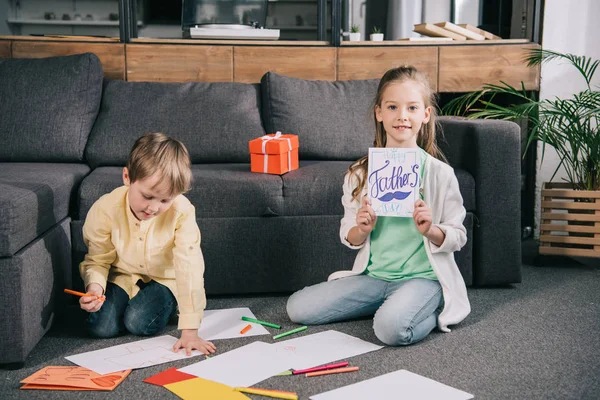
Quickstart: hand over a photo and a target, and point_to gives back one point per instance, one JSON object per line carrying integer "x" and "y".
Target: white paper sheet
{"x": 322, "y": 348}
{"x": 227, "y": 324}
{"x": 140, "y": 354}
{"x": 244, "y": 366}
{"x": 405, "y": 384}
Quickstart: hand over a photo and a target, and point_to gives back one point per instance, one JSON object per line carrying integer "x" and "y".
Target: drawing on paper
{"x": 393, "y": 181}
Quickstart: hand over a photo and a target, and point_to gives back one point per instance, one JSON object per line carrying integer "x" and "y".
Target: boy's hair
{"x": 426, "y": 138}
{"x": 156, "y": 153}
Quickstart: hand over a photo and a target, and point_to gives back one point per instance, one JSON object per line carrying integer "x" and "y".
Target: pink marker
{"x": 321, "y": 368}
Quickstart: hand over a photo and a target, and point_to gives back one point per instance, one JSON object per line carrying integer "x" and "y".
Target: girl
{"x": 404, "y": 273}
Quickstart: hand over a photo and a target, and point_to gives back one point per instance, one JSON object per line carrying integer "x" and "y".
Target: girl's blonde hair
{"x": 426, "y": 138}
{"x": 156, "y": 153}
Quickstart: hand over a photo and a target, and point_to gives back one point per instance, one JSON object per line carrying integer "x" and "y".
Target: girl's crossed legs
{"x": 405, "y": 311}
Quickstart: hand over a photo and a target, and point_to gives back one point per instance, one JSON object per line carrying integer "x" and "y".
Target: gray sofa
{"x": 65, "y": 133}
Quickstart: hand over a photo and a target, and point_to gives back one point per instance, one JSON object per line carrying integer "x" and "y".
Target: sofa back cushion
{"x": 334, "y": 120}
{"x": 48, "y": 107}
{"x": 215, "y": 121}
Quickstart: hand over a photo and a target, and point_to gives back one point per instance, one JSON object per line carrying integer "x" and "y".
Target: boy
{"x": 144, "y": 249}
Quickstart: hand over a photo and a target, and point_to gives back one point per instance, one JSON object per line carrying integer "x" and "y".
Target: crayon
{"x": 285, "y": 373}
{"x": 332, "y": 371}
{"x": 269, "y": 393}
{"x": 321, "y": 368}
{"x": 290, "y": 332}
{"x": 261, "y": 322}
{"x": 246, "y": 329}
{"x": 80, "y": 294}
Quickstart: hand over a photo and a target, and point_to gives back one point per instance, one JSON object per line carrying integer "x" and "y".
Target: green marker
{"x": 290, "y": 332}
{"x": 261, "y": 322}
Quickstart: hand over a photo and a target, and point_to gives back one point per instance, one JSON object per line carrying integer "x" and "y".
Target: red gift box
{"x": 274, "y": 153}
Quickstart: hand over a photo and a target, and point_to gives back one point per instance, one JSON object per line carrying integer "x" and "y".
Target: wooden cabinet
{"x": 451, "y": 68}
{"x": 466, "y": 68}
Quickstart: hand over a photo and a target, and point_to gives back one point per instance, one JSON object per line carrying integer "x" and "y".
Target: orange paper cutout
{"x": 73, "y": 378}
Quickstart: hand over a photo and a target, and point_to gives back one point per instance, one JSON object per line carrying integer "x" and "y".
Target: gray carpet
{"x": 535, "y": 340}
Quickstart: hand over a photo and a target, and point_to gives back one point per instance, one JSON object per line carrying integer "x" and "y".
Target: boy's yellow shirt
{"x": 166, "y": 249}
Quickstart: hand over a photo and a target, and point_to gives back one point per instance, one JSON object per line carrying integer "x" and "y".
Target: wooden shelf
{"x": 295, "y": 27}
{"x": 71, "y": 22}
{"x": 439, "y": 43}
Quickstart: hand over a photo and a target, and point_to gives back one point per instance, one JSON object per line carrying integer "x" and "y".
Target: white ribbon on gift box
{"x": 266, "y": 139}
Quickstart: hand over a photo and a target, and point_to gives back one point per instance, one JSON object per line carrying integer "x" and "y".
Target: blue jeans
{"x": 145, "y": 314}
{"x": 405, "y": 311}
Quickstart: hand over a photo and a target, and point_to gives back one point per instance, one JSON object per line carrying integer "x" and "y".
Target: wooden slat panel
{"x": 233, "y": 42}
{"x": 597, "y": 236}
{"x": 563, "y": 251}
{"x": 111, "y": 55}
{"x": 569, "y": 228}
{"x": 373, "y": 62}
{"x": 569, "y": 217}
{"x": 467, "y": 68}
{"x": 571, "y": 194}
{"x": 179, "y": 63}
{"x": 251, "y": 63}
{"x": 5, "y": 49}
{"x": 61, "y": 38}
{"x": 570, "y": 205}
{"x": 569, "y": 240}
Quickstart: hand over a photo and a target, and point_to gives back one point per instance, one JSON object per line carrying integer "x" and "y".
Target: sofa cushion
{"x": 48, "y": 107}
{"x": 33, "y": 198}
{"x": 315, "y": 188}
{"x": 214, "y": 120}
{"x": 334, "y": 120}
{"x": 218, "y": 190}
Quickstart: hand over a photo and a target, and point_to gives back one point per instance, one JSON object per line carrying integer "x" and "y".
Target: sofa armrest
{"x": 490, "y": 150}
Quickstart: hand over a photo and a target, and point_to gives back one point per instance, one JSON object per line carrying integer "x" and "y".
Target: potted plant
{"x": 354, "y": 35}
{"x": 570, "y": 220}
{"x": 376, "y": 35}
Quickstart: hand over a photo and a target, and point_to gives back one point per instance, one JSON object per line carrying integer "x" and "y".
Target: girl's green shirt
{"x": 397, "y": 247}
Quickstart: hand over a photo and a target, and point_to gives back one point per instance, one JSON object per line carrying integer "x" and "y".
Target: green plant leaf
{"x": 569, "y": 125}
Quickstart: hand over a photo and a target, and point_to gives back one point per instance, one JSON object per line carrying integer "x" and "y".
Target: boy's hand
{"x": 94, "y": 301}
{"x": 191, "y": 341}
{"x": 365, "y": 217}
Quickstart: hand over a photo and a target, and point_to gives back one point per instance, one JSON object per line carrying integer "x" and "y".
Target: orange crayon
{"x": 332, "y": 371}
{"x": 80, "y": 294}
{"x": 246, "y": 329}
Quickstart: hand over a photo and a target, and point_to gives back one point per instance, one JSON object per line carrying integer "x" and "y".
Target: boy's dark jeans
{"x": 144, "y": 315}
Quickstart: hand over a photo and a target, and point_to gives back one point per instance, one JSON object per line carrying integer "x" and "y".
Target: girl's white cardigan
{"x": 441, "y": 194}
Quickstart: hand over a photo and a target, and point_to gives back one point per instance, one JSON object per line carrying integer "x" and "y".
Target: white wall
{"x": 569, "y": 27}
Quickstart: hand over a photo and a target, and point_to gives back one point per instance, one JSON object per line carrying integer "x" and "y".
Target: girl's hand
{"x": 422, "y": 217}
{"x": 94, "y": 301}
{"x": 365, "y": 217}
{"x": 191, "y": 341}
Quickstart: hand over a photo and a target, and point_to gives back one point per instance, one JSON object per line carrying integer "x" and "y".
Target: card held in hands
{"x": 393, "y": 180}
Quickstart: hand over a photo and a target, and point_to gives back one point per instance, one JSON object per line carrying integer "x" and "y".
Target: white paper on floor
{"x": 227, "y": 324}
{"x": 244, "y": 366}
{"x": 140, "y": 354}
{"x": 323, "y": 347}
{"x": 255, "y": 362}
{"x": 405, "y": 384}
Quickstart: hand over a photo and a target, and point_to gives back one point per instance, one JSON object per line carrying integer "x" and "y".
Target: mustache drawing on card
{"x": 393, "y": 180}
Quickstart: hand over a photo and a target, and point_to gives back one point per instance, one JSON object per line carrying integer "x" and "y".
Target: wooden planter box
{"x": 570, "y": 223}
